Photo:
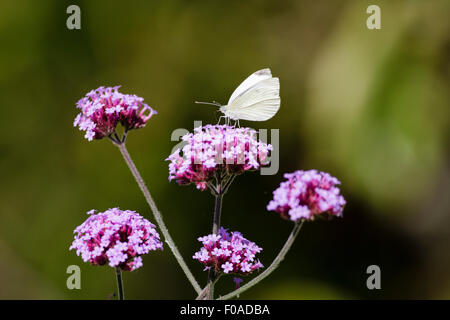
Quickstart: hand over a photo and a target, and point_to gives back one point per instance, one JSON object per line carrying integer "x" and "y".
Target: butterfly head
{"x": 223, "y": 109}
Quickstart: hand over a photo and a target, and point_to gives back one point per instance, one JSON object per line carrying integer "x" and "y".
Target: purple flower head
{"x": 214, "y": 148}
{"x": 115, "y": 237}
{"x": 102, "y": 109}
{"x": 307, "y": 194}
{"x": 228, "y": 253}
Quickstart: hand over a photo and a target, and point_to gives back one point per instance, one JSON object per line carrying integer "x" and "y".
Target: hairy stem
{"x": 158, "y": 217}
{"x": 119, "y": 283}
{"x": 272, "y": 267}
{"x": 216, "y": 226}
{"x": 202, "y": 294}
{"x": 217, "y": 212}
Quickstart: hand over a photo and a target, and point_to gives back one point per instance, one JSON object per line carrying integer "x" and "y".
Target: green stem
{"x": 158, "y": 216}
{"x": 294, "y": 233}
{"x": 119, "y": 283}
{"x": 217, "y": 211}
{"x": 204, "y": 292}
{"x": 215, "y": 230}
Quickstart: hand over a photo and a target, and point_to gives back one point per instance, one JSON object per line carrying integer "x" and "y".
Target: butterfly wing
{"x": 259, "y": 102}
{"x": 251, "y": 80}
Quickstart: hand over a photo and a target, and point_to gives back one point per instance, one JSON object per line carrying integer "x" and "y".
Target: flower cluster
{"x": 214, "y": 148}
{"x": 228, "y": 253}
{"x": 102, "y": 109}
{"x": 307, "y": 194}
{"x": 116, "y": 237}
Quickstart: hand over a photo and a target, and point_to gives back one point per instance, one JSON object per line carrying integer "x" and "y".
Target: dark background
{"x": 368, "y": 106}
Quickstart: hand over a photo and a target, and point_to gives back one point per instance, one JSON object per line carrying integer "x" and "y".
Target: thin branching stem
{"x": 116, "y": 142}
{"x": 228, "y": 183}
{"x": 157, "y": 215}
{"x": 212, "y": 188}
{"x": 294, "y": 233}
{"x": 215, "y": 229}
{"x": 202, "y": 294}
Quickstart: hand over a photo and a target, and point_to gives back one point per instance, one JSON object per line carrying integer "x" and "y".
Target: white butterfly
{"x": 256, "y": 99}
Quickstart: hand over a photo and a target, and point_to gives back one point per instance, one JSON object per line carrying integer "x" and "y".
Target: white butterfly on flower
{"x": 257, "y": 98}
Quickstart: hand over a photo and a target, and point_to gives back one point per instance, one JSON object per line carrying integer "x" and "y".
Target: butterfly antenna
{"x": 211, "y": 103}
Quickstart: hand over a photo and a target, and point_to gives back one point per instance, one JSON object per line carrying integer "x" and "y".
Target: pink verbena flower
{"x": 228, "y": 253}
{"x": 214, "y": 148}
{"x": 307, "y": 194}
{"x": 102, "y": 109}
{"x": 115, "y": 237}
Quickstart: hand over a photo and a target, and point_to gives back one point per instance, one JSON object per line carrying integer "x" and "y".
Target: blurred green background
{"x": 369, "y": 106}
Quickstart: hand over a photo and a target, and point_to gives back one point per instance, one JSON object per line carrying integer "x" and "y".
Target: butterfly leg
{"x": 220, "y": 118}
